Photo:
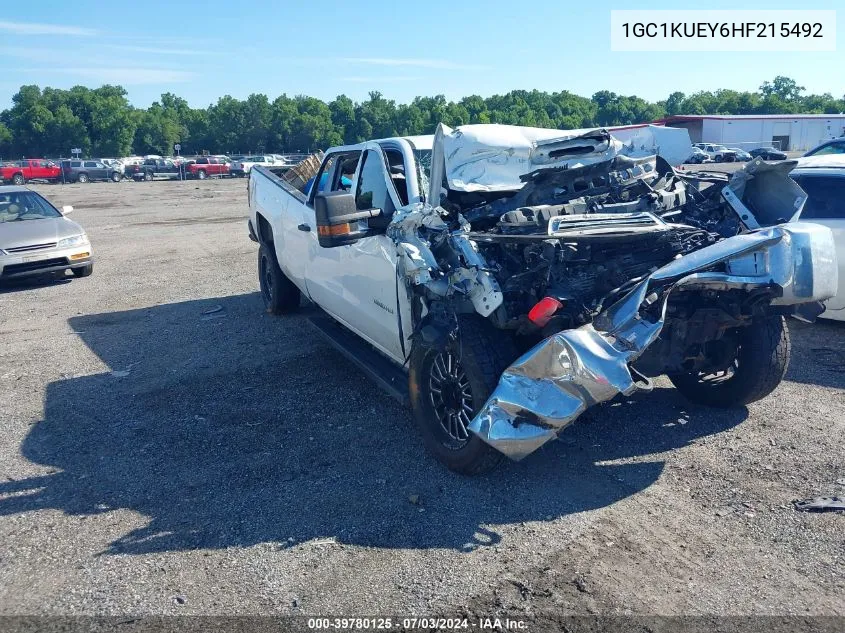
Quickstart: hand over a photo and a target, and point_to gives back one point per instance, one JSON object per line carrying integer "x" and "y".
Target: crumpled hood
{"x": 27, "y": 232}
{"x": 494, "y": 158}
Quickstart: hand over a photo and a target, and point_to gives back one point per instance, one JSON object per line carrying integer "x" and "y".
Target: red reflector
{"x": 544, "y": 310}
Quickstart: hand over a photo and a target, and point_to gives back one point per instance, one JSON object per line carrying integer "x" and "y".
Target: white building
{"x": 788, "y": 132}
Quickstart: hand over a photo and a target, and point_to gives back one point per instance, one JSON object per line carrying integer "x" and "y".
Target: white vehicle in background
{"x": 823, "y": 178}
{"x": 718, "y": 153}
{"x": 242, "y": 168}
{"x": 741, "y": 154}
{"x": 132, "y": 160}
{"x": 115, "y": 164}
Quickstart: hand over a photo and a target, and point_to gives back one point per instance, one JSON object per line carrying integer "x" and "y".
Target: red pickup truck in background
{"x": 30, "y": 169}
{"x": 206, "y": 166}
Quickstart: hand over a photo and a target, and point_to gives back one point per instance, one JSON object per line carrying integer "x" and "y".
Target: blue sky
{"x": 204, "y": 49}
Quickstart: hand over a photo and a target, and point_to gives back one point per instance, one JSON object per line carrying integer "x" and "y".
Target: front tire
{"x": 448, "y": 387}
{"x": 116, "y": 177}
{"x": 759, "y": 367}
{"x": 202, "y": 174}
{"x": 148, "y": 177}
{"x": 85, "y": 271}
{"x": 82, "y": 178}
{"x": 280, "y": 294}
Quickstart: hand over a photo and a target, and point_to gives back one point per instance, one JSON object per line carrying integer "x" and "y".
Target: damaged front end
{"x": 548, "y": 387}
{"x": 603, "y": 265}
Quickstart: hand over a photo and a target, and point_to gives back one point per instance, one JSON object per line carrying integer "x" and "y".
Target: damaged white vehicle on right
{"x": 503, "y": 279}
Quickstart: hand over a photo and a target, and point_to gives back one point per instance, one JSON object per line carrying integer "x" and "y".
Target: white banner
{"x": 718, "y": 30}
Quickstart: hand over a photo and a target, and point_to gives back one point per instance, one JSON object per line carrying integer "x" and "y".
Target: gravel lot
{"x": 167, "y": 447}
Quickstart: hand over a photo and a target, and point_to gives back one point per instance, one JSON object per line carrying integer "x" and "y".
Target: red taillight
{"x": 544, "y": 310}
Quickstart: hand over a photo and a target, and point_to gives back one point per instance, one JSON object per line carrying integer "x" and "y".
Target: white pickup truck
{"x": 504, "y": 279}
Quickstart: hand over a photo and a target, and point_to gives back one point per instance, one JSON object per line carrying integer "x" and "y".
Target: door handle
{"x": 304, "y": 227}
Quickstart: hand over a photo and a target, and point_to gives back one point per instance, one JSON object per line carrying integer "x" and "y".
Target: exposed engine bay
{"x": 585, "y": 235}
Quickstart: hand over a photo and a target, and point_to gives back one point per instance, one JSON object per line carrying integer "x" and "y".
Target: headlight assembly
{"x": 76, "y": 240}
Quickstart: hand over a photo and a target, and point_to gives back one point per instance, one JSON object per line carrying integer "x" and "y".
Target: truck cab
{"x": 354, "y": 282}
{"x": 21, "y": 171}
{"x": 206, "y": 166}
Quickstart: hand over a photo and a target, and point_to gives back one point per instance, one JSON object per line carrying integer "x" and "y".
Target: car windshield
{"x": 18, "y": 206}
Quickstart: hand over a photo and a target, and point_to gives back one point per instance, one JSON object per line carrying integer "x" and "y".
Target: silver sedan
{"x": 36, "y": 238}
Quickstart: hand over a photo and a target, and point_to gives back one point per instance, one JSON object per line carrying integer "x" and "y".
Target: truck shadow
{"x": 819, "y": 359}
{"x": 225, "y": 427}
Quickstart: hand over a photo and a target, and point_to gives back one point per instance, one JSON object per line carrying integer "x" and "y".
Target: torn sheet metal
{"x": 548, "y": 387}
{"x": 414, "y": 230}
{"x": 763, "y": 194}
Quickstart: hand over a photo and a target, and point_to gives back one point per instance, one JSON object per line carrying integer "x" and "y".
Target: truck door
{"x": 357, "y": 283}
{"x": 826, "y": 205}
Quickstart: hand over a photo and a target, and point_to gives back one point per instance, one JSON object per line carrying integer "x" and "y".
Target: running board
{"x": 383, "y": 372}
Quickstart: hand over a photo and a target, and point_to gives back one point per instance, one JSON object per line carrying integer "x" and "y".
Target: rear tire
{"x": 115, "y": 177}
{"x": 279, "y": 293}
{"x": 18, "y": 180}
{"x": 465, "y": 375}
{"x": 148, "y": 177}
{"x": 85, "y": 271}
{"x": 82, "y": 178}
{"x": 760, "y": 365}
{"x": 202, "y": 175}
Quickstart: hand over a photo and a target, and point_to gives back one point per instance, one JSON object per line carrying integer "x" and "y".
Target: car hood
{"x": 28, "y": 232}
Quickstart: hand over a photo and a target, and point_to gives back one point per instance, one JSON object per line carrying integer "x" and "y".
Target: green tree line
{"x": 102, "y": 122}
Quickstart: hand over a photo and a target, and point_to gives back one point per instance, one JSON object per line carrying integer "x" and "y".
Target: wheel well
{"x": 265, "y": 231}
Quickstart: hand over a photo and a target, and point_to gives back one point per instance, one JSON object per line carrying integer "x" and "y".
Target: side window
{"x": 336, "y": 175}
{"x": 398, "y": 174}
{"x": 76, "y": 163}
{"x": 372, "y": 192}
{"x": 90, "y": 163}
{"x": 825, "y": 197}
{"x": 833, "y": 148}
{"x": 44, "y": 163}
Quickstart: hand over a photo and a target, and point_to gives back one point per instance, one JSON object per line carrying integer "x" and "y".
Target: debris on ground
{"x": 821, "y": 504}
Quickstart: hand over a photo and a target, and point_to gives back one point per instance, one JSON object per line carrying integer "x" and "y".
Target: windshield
{"x": 18, "y": 206}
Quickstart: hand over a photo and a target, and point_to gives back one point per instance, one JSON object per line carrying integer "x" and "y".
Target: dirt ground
{"x": 167, "y": 447}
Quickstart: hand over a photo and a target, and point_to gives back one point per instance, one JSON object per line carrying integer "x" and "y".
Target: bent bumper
{"x": 549, "y": 386}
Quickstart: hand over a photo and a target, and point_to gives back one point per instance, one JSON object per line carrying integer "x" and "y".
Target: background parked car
{"x": 741, "y": 154}
{"x": 833, "y": 146}
{"x": 153, "y": 167}
{"x": 768, "y": 153}
{"x": 698, "y": 157}
{"x": 21, "y": 171}
{"x": 719, "y": 153}
{"x": 241, "y": 168}
{"x": 823, "y": 178}
{"x": 208, "y": 166}
{"x": 89, "y": 170}
{"x": 114, "y": 163}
